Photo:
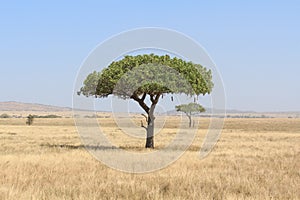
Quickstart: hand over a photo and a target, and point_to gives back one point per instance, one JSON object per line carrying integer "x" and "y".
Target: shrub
{"x": 4, "y": 115}
{"x": 29, "y": 120}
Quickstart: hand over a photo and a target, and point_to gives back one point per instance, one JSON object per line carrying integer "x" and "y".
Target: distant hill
{"x": 18, "y": 106}
{"x": 12, "y": 106}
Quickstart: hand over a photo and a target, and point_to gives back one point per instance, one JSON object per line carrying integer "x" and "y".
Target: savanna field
{"x": 254, "y": 159}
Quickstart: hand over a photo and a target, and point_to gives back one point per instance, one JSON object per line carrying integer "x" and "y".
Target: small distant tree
{"x": 190, "y": 110}
{"x": 29, "y": 120}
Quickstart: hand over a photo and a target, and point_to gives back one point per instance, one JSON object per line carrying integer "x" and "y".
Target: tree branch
{"x": 188, "y": 114}
{"x": 142, "y": 125}
{"x": 141, "y": 102}
{"x": 154, "y": 98}
{"x": 144, "y": 96}
{"x": 145, "y": 117}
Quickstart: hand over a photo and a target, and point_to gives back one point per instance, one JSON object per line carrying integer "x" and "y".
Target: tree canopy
{"x": 102, "y": 84}
{"x": 191, "y": 108}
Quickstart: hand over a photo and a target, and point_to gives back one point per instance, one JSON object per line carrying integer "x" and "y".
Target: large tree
{"x": 151, "y": 81}
{"x": 190, "y": 110}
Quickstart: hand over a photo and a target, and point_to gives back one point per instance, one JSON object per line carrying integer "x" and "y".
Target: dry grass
{"x": 254, "y": 159}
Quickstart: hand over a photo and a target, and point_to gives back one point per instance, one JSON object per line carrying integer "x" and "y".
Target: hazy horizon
{"x": 139, "y": 110}
{"x": 255, "y": 46}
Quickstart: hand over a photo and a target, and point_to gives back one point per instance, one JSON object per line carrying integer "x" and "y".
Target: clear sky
{"x": 255, "y": 45}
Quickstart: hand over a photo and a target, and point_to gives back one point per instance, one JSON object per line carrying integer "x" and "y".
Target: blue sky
{"x": 255, "y": 45}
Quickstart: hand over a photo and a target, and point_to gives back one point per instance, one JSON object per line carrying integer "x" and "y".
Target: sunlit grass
{"x": 254, "y": 159}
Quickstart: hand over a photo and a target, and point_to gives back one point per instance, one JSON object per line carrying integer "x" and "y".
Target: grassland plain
{"x": 254, "y": 159}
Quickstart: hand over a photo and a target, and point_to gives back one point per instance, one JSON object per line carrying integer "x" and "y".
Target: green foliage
{"x": 4, "y": 115}
{"x": 199, "y": 78}
{"x": 151, "y": 79}
{"x": 191, "y": 108}
{"x": 90, "y": 84}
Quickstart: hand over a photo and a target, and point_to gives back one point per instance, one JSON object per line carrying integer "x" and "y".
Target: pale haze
{"x": 255, "y": 45}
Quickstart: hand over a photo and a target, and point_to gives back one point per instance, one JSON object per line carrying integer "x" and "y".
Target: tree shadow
{"x": 130, "y": 148}
{"x": 71, "y": 146}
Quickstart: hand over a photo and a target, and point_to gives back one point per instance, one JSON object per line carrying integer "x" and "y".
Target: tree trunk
{"x": 150, "y": 112}
{"x": 150, "y": 133}
{"x": 190, "y": 121}
{"x": 150, "y": 127}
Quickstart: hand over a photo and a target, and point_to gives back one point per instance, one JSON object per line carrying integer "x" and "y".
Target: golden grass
{"x": 254, "y": 159}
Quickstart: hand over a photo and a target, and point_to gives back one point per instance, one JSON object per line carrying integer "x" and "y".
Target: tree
{"x": 29, "y": 119}
{"x": 123, "y": 73}
{"x": 4, "y": 115}
{"x": 190, "y": 110}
